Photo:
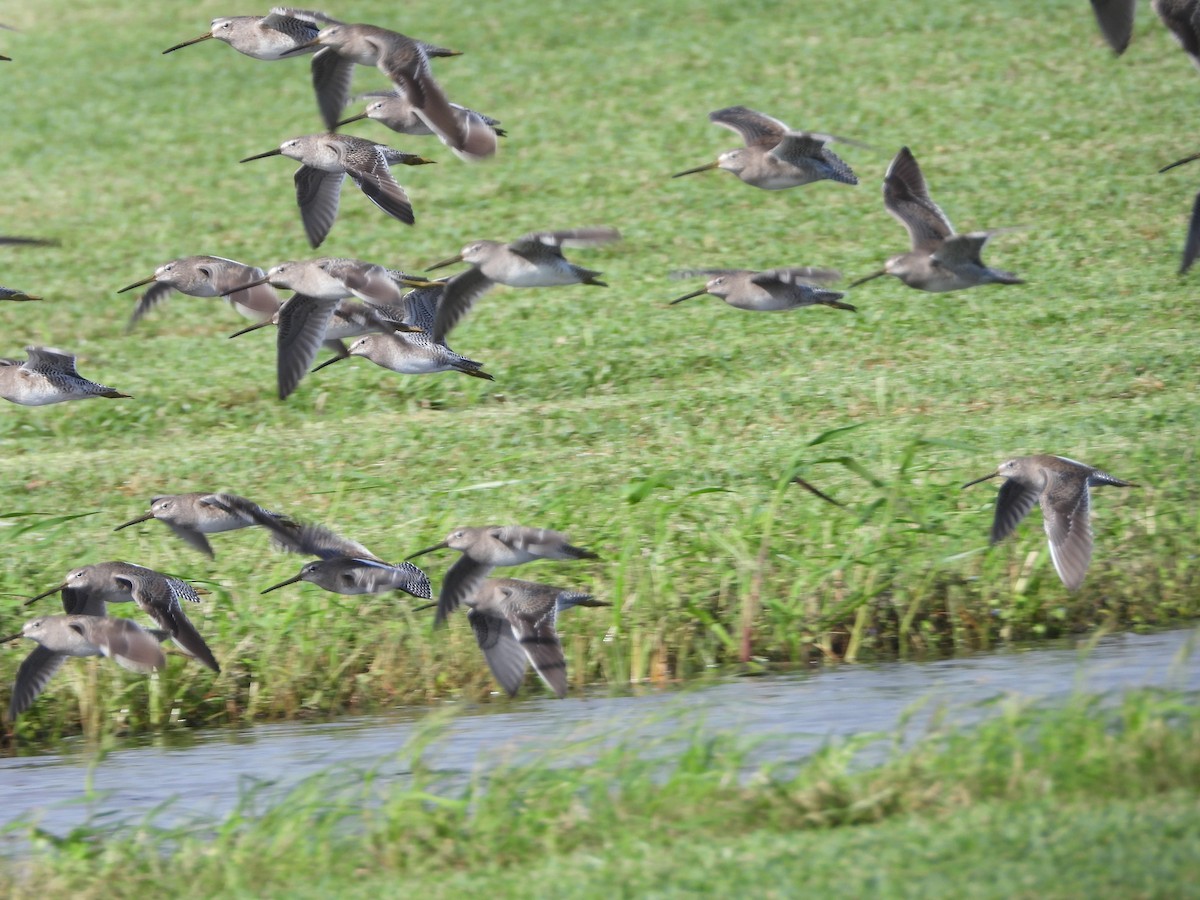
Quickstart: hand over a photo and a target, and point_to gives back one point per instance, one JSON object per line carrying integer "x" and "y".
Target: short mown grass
{"x": 664, "y": 438}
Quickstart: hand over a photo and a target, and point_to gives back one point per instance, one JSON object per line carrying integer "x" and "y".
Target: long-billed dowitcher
{"x": 85, "y": 591}
{"x": 514, "y": 624}
{"x": 533, "y": 260}
{"x": 1061, "y": 487}
{"x": 191, "y": 516}
{"x": 402, "y": 59}
{"x": 208, "y": 276}
{"x": 122, "y": 640}
{"x": 1191, "y": 244}
{"x": 344, "y": 566}
{"x": 412, "y": 354}
{"x": 47, "y": 376}
{"x": 940, "y": 260}
{"x": 770, "y": 291}
{"x": 282, "y": 32}
{"x": 326, "y": 160}
{"x": 775, "y": 157}
{"x": 486, "y": 547}
{"x": 396, "y": 111}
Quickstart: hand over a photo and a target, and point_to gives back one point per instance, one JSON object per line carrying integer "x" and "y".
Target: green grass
{"x": 664, "y": 438}
{"x": 1090, "y": 798}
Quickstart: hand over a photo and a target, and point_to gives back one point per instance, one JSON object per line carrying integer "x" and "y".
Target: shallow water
{"x": 793, "y": 715}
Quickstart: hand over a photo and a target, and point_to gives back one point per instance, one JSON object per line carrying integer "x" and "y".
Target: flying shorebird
{"x": 412, "y": 354}
{"x": 402, "y": 59}
{"x": 194, "y": 515}
{"x": 326, "y": 160}
{"x": 85, "y": 591}
{"x": 47, "y": 376}
{"x": 771, "y": 291}
{"x": 514, "y": 624}
{"x": 343, "y": 566}
{"x": 484, "y": 548}
{"x": 775, "y": 157}
{"x": 58, "y": 637}
{"x": 940, "y": 260}
{"x": 394, "y": 110}
{"x": 533, "y": 260}
{"x": 1061, "y": 487}
{"x": 207, "y": 276}
{"x": 283, "y": 32}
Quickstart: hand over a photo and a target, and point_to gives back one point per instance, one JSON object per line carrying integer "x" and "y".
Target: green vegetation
{"x": 1090, "y": 798}
{"x": 665, "y": 438}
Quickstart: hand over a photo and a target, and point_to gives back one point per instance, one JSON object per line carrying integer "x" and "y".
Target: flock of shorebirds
{"x": 401, "y": 321}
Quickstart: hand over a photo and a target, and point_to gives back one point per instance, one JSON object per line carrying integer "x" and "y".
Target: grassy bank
{"x": 1088, "y": 797}
{"x": 664, "y": 438}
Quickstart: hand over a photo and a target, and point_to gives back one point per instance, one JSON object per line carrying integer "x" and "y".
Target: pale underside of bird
{"x": 1061, "y": 486}
{"x": 86, "y": 590}
{"x": 486, "y": 547}
{"x": 48, "y": 376}
{"x": 282, "y": 33}
{"x": 405, "y": 62}
{"x": 773, "y": 290}
{"x": 208, "y": 276}
{"x": 395, "y": 111}
{"x": 533, "y": 260}
{"x": 59, "y": 637}
{"x": 515, "y": 624}
{"x": 940, "y": 259}
{"x": 326, "y": 160}
{"x": 775, "y": 157}
{"x": 193, "y": 515}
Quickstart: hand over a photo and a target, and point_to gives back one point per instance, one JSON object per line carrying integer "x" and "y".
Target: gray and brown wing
{"x": 158, "y": 597}
{"x": 462, "y": 580}
{"x": 1013, "y": 503}
{"x": 1070, "y": 533}
{"x": 331, "y": 78}
{"x": 318, "y": 194}
{"x": 595, "y": 236}
{"x": 962, "y": 249}
{"x": 194, "y": 539}
{"x": 754, "y": 127}
{"x": 373, "y": 176}
{"x": 539, "y": 640}
{"x": 313, "y": 540}
{"x": 458, "y": 296}
{"x": 32, "y": 677}
{"x": 125, "y": 642}
{"x": 503, "y": 652}
{"x": 906, "y": 197}
{"x": 1115, "y": 18}
{"x": 303, "y": 322}
{"x": 809, "y": 275}
{"x": 154, "y": 295}
{"x": 1191, "y": 246}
